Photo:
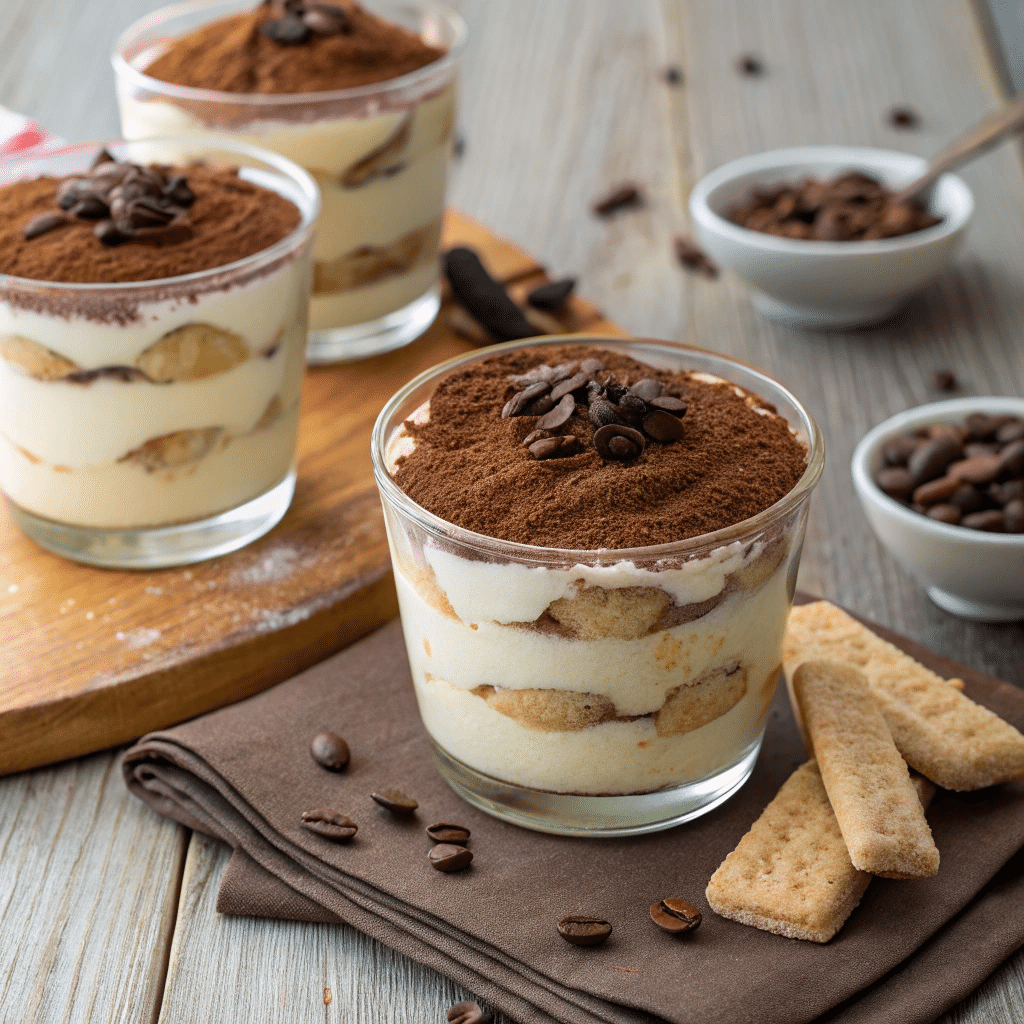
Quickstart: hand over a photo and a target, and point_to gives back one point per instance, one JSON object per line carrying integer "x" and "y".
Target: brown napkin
{"x": 244, "y": 775}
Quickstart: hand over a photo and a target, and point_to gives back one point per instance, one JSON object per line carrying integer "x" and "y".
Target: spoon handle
{"x": 979, "y": 138}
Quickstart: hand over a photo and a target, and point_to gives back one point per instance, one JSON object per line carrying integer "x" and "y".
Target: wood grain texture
{"x": 88, "y": 894}
{"x": 236, "y": 970}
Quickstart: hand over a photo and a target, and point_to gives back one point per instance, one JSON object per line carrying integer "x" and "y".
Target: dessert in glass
{"x": 363, "y": 100}
{"x": 595, "y": 543}
{"x": 152, "y": 343}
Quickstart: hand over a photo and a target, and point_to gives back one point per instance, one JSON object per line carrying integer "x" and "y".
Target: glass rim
{"x": 448, "y": 531}
{"x": 290, "y": 242}
{"x": 124, "y": 69}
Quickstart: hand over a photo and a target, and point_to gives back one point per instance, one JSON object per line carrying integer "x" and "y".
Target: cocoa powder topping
{"x": 222, "y": 218}
{"x": 293, "y": 48}
{"x": 727, "y": 458}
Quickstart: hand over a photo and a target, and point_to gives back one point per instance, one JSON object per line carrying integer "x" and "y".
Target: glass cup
{"x": 646, "y": 705}
{"x": 379, "y": 153}
{"x": 154, "y": 423}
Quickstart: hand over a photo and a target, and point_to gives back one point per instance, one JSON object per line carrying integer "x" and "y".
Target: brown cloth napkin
{"x": 244, "y": 775}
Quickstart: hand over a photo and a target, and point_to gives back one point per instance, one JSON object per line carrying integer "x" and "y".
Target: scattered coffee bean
{"x": 559, "y": 415}
{"x": 465, "y": 1013}
{"x": 44, "y": 222}
{"x": 671, "y": 404}
{"x": 750, "y": 64}
{"x": 330, "y": 751}
{"x": 448, "y": 857}
{"x": 553, "y": 295}
{"x": 395, "y": 801}
{"x": 945, "y": 513}
{"x": 648, "y": 389}
{"x": 536, "y": 435}
{"x": 584, "y": 931}
{"x": 672, "y": 75}
{"x": 675, "y": 915}
{"x": 617, "y": 443}
{"x": 991, "y": 521}
{"x": 566, "y": 387}
{"x": 944, "y": 380}
{"x": 518, "y": 403}
{"x": 663, "y": 426}
{"x": 555, "y": 447}
{"x": 330, "y": 824}
{"x": 693, "y": 257}
{"x": 1013, "y": 516}
{"x": 484, "y": 297}
{"x": 625, "y": 196}
{"x": 326, "y": 19}
{"x": 895, "y": 481}
{"x": 932, "y": 458}
{"x": 459, "y": 147}
{"x": 904, "y": 118}
{"x": 442, "y": 832}
{"x": 290, "y": 30}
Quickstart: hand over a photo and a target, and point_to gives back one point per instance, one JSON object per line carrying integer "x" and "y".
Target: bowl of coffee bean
{"x": 942, "y": 486}
{"x": 817, "y": 234}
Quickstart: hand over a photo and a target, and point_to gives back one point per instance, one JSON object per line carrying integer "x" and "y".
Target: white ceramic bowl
{"x": 827, "y": 285}
{"x": 969, "y": 573}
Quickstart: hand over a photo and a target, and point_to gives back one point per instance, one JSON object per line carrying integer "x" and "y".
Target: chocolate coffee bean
{"x": 669, "y": 403}
{"x": 447, "y": 857}
{"x": 442, "y": 832}
{"x": 465, "y": 1013}
{"x": 554, "y": 447}
{"x": 895, "y": 481}
{"x": 991, "y": 521}
{"x": 330, "y": 824}
{"x": 945, "y": 513}
{"x": 517, "y": 404}
{"x": 584, "y": 931}
{"x": 648, "y": 389}
{"x": 44, "y": 222}
{"x": 615, "y": 443}
{"x": 675, "y": 915}
{"x": 559, "y": 415}
{"x": 551, "y": 297}
{"x": 663, "y": 426}
{"x": 1013, "y": 516}
{"x": 394, "y": 800}
{"x": 565, "y": 387}
{"x": 931, "y": 459}
{"x": 330, "y": 751}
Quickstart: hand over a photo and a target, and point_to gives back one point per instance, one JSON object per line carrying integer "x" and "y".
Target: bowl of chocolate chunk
{"x": 942, "y": 486}
{"x": 816, "y": 234}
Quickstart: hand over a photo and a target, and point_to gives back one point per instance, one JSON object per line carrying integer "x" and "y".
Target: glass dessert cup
{"x": 605, "y": 692}
{"x": 378, "y": 152}
{"x": 153, "y": 423}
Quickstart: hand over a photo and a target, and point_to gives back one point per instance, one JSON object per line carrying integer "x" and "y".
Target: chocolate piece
{"x": 518, "y": 404}
{"x": 692, "y": 257}
{"x": 394, "y": 800}
{"x": 567, "y": 387}
{"x": 616, "y": 443}
{"x": 445, "y": 833}
{"x": 559, "y": 415}
{"x": 663, "y": 426}
{"x": 551, "y": 296}
{"x": 554, "y": 447}
{"x": 446, "y": 857}
{"x": 484, "y": 297}
{"x": 465, "y": 1013}
{"x": 330, "y": 824}
{"x": 584, "y": 931}
{"x": 330, "y": 751}
{"x": 671, "y": 404}
{"x": 622, "y": 197}
{"x": 44, "y": 222}
{"x": 675, "y": 915}
{"x": 647, "y": 389}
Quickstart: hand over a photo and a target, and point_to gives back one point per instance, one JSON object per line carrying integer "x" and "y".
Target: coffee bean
{"x": 565, "y": 387}
{"x": 981, "y": 426}
{"x": 1012, "y": 430}
{"x": 1011, "y": 459}
{"x": 979, "y": 470}
{"x": 648, "y": 389}
{"x": 1013, "y": 516}
{"x": 448, "y": 857}
{"x": 895, "y": 481}
{"x": 327, "y": 19}
{"x": 395, "y": 801}
{"x": 559, "y": 415}
{"x": 289, "y": 30}
{"x": 694, "y": 258}
{"x": 44, "y": 222}
{"x": 967, "y": 498}
{"x": 1004, "y": 493}
{"x": 330, "y": 824}
{"x": 621, "y": 197}
{"x": 946, "y": 430}
{"x": 552, "y": 295}
{"x": 109, "y": 233}
{"x": 973, "y": 448}
{"x": 535, "y": 435}
{"x": 750, "y": 64}
{"x": 591, "y": 366}
{"x": 330, "y": 751}
{"x": 672, "y": 75}
{"x": 584, "y": 931}
{"x": 944, "y": 380}
{"x": 932, "y": 458}
{"x": 617, "y": 443}
{"x": 669, "y": 403}
{"x": 602, "y": 413}
{"x": 898, "y": 449}
{"x": 675, "y": 915}
{"x": 442, "y": 832}
{"x": 554, "y": 447}
{"x": 991, "y": 521}
{"x": 937, "y": 490}
{"x": 663, "y": 426}
{"x": 945, "y": 513}
{"x": 904, "y": 118}
{"x": 517, "y": 404}
{"x": 465, "y": 1013}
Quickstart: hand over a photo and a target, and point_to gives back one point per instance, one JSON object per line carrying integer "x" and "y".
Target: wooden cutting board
{"x": 90, "y": 658}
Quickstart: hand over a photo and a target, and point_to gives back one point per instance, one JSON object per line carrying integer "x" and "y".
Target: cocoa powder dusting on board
{"x": 231, "y": 219}
{"x": 233, "y": 55}
{"x": 470, "y": 468}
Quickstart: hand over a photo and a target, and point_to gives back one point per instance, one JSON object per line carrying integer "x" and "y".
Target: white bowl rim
{"x": 701, "y": 212}
{"x": 933, "y": 412}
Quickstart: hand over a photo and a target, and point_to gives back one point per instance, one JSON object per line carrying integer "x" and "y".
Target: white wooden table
{"x": 107, "y": 910}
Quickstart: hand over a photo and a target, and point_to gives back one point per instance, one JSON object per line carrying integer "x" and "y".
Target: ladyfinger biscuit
{"x": 867, "y": 782}
{"x": 944, "y": 735}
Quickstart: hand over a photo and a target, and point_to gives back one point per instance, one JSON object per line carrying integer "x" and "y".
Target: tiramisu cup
{"x": 152, "y": 342}
{"x": 595, "y": 543}
{"x": 362, "y": 98}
